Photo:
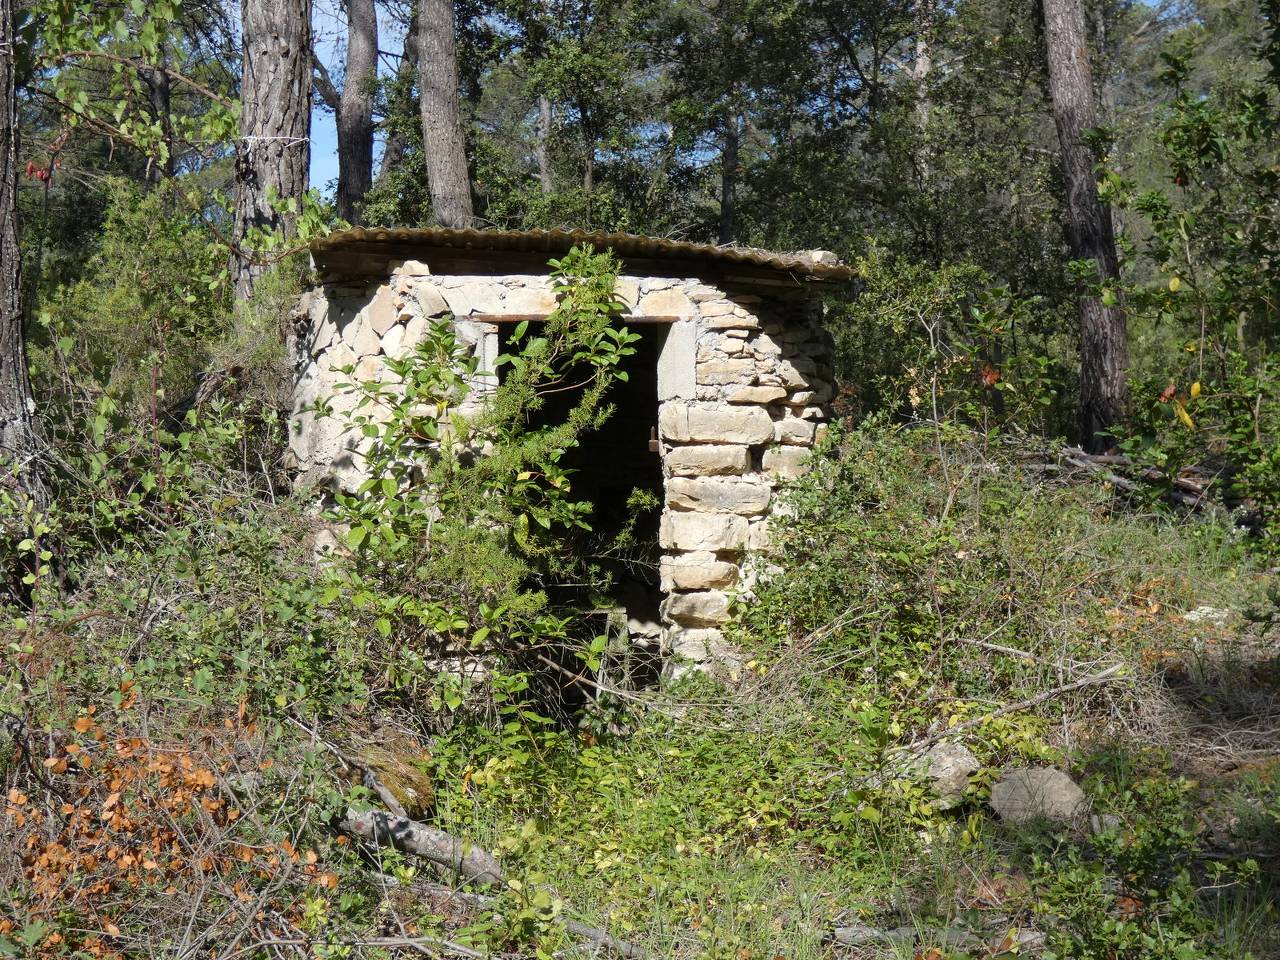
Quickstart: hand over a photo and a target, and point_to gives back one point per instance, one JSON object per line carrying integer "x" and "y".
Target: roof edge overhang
{"x": 372, "y": 251}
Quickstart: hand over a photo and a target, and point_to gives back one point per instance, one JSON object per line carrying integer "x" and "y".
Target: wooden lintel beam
{"x": 541, "y": 317}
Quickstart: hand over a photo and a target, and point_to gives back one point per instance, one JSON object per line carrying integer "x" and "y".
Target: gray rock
{"x": 947, "y": 767}
{"x": 1037, "y": 793}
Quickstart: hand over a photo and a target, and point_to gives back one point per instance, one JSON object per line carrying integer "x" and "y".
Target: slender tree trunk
{"x": 729, "y": 179}
{"x": 1104, "y": 350}
{"x": 542, "y": 137}
{"x": 355, "y": 110}
{"x": 443, "y": 140}
{"x": 162, "y": 110}
{"x": 274, "y": 151}
{"x": 18, "y": 438}
{"x": 393, "y": 150}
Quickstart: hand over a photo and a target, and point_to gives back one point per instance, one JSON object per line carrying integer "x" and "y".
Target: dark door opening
{"x": 618, "y": 469}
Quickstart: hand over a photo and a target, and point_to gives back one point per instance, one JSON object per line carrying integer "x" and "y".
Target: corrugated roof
{"x": 625, "y": 245}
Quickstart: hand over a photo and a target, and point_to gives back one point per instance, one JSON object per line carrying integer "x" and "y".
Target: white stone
{"x": 665, "y": 303}
{"x": 760, "y": 395}
{"x": 358, "y": 335}
{"x": 696, "y": 571}
{"x": 706, "y": 608}
{"x": 474, "y": 297}
{"x": 427, "y": 300}
{"x": 726, "y": 371}
{"x": 381, "y": 314}
{"x": 717, "y": 495}
{"x": 702, "y": 293}
{"x": 764, "y": 345}
{"x": 785, "y": 462}
{"x": 703, "y": 531}
{"x": 698, "y": 424}
{"x": 410, "y": 268}
{"x": 793, "y": 431}
{"x": 718, "y": 460}
{"x": 737, "y": 320}
{"x": 321, "y": 330}
{"x": 677, "y": 372}
{"x": 392, "y": 340}
{"x": 715, "y": 308}
{"x": 529, "y": 299}
{"x": 627, "y": 289}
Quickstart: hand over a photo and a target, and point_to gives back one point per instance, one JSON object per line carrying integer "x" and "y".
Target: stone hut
{"x": 728, "y": 390}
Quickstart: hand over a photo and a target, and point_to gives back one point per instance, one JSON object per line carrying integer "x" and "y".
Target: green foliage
{"x": 1208, "y": 384}
{"x": 459, "y": 529}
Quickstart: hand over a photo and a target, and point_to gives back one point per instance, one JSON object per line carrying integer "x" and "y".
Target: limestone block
{"x": 336, "y": 357}
{"x": 813, "y": 413}
{"x": 695, "y": 644}
{"x": 677, "y": 373}
{"x": 726, "y": 371}
{"x": 703, "y": 293}
{"x": 425, "y": 299}
{"x": 359, "y": 336}
{"x": 717, "y": 460}
{"x": 321, "y": 329}
{"x": 715, "y": 308}
{"x": 705, "y": 424}
{"x": 665, "y": 303}
{"x": 703, "y": 531}
{"x": 793, "y": 431}
{"x": 738, "y": 319}
{"x": 794, "y": 377}
{"x": 785, "y": 462}
{"x": 696, "y": 571}
{"x": 733, "y": 346}
{"x": 716, "y": 495}
{"x": 761, "y": 395}
{"x": 758, "y": 538}
{"x": 736, "y": 333}
{"x": 381, "y": 314}
{"x": 474, "y": 297}
{"x": 409, "y": 268}
{"x": 764, "y": 345}
{"x": 529, "y": 299}
{"x": 802, "y": 398}
{"x": 392, "y": 341}
{"x": 627, "y": 289}
{"x": 705, "y": 608}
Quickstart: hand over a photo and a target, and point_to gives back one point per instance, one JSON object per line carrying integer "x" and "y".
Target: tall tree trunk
{"x": 162, "y": 110}
{"x": 393, "y": 150}
{"x": 1104, "y": 349}
{"x": 729, "y": 179}
{"x": 542, "y": 137}
{"x": 355, "y": 110}
{"x": 275, "y": 121}
{"x": 443, "y": 140}
{"x": 18, "y": 439}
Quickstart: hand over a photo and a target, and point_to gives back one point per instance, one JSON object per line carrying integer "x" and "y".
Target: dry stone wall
{"x": 743, "y": 381}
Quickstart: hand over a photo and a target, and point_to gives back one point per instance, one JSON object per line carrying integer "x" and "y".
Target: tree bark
{"x": 542, "y": 137}
{"x": 393, "y": 150}
{"x": 18, "y": 437}
{"x": 443, "y": 140}
{"x": 274, "y": 151}
{"x": 729, "y": 179}
{"x": 1104, "y": 350}
{"x": 162, "y": 110}
{"x": 355, "y": 110}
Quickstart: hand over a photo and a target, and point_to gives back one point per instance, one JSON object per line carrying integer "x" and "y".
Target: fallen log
{"x": 464, "y": 858}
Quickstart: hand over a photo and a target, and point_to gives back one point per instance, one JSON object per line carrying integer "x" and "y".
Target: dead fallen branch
{"x": 1102, "y": 676}
{"x": 465, "y": 859}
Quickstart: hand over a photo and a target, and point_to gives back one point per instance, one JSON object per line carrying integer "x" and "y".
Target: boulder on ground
{"x": 1037, "y": 793}
{"x": 947, "y": 767}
